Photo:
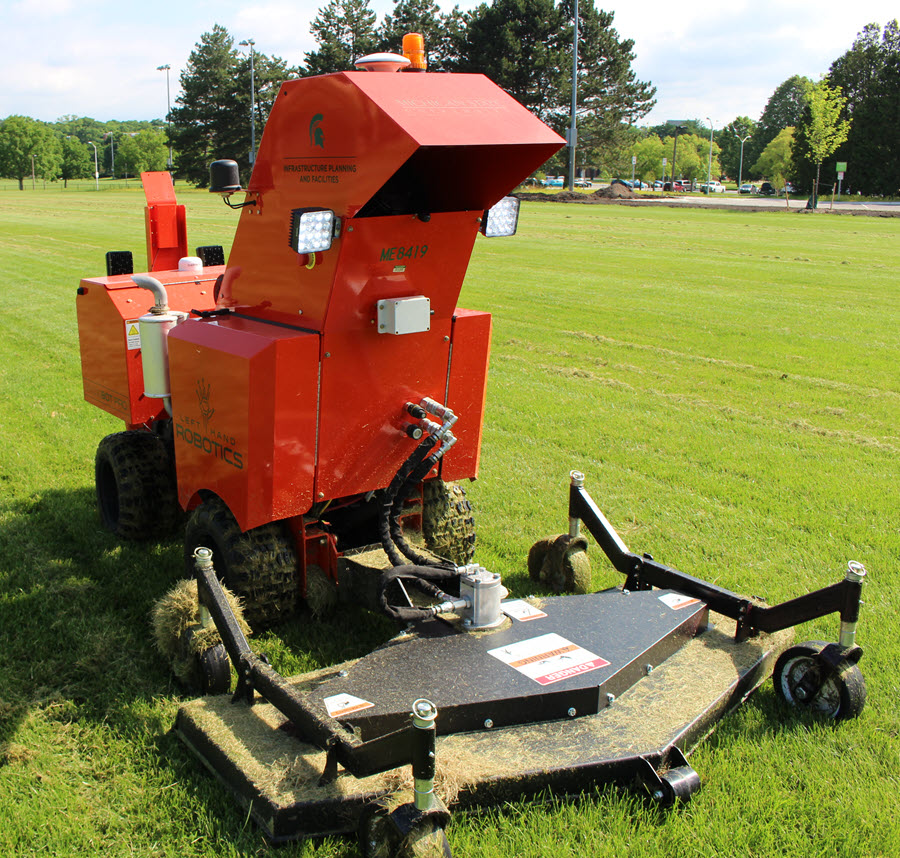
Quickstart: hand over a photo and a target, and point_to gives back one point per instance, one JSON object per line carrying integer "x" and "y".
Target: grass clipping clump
{"x": 178, "y": 632}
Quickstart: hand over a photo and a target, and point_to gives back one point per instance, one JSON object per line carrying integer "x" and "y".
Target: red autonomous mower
{"x": 311, "y": 405}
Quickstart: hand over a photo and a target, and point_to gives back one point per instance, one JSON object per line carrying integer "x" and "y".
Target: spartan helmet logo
{"x": 316, "y": 134}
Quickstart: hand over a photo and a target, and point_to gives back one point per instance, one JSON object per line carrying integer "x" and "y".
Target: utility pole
{"x": 573, "y": 131}
{"x": 166, "y": 68}
{"x": 250, "y": 43}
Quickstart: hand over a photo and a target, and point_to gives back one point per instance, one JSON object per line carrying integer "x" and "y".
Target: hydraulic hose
{"x": 421, "y": 577}
{"x": 411, "y": 465}
{"x": 396, "y": 531}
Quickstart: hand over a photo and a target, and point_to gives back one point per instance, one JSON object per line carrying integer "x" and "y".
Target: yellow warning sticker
{"x": 132, "y": 334}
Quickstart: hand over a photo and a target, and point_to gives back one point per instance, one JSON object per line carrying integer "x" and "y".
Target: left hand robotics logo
{"x": 206, "y": 410}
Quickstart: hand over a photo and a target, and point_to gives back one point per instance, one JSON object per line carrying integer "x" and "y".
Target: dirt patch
{"x": 614, "y": 192}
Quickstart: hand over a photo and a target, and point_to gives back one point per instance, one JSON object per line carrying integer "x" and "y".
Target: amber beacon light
{"x": 414, "y": 51}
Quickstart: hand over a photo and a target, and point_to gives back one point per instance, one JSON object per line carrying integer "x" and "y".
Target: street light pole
{"x": 573, "y": 132}
{"x": 96, "y": 168}
{"x": 741, "y": 167}
{"x": 112, "y": 153}
{"x": 250, "y": 43}
{"x": 709, "y": 163}
{"x": 166, "y": 68}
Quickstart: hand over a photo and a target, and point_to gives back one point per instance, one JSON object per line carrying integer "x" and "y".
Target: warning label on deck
{"x": 132, "y": 334}
{"x": 548, "y": 658}
{"x": 521, "y": 610}
{"x": 676, "y": 600}
{"x": 339, "y": 705}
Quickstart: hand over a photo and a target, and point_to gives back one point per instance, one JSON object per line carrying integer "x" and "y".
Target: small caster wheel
{"x": 805, "y": 681}
{"x": 677, "y": 785}
{"x": 561, "y": 562}
{"x": 214, "y": 668}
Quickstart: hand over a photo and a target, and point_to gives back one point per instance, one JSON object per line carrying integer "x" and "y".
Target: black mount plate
{"x": 571, "y": 662}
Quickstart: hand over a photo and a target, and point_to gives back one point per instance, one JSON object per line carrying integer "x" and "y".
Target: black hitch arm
{"x": 643, "y": 573}
{"x": 256, "y": 675}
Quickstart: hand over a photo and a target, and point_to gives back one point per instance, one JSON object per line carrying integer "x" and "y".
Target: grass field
{"x": 728, "y": 381}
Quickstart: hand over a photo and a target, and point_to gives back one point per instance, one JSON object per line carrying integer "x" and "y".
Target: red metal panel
{"x": 165, "y": 223}
{"x": 244, "y": 401}
{"x": 466, "y": 390}
{"x": 448, "y": 143}
{"x": 108, "y": 309}
{"x": 368, "y": 376}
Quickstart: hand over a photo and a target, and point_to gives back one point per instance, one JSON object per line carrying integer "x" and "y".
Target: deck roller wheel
{"x": 195, "y": 652}
{"x": 136, "y": 493}
{"x": 448, "y": 525}
{"x": 259, "y": 565}
{"x": 561, "y": 562}
{"x": 805, "y": 680}
{"x": 678, "y": 785}
{"x": 214, "y": 669}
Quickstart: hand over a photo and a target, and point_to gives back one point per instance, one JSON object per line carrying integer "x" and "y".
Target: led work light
{"x": 501, "y": 218}
{"x": 312, "y": 230}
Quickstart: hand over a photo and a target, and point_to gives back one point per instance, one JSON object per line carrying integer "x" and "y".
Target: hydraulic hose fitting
{"x": 441, "y": 411}
{"x": 416, "y": 411}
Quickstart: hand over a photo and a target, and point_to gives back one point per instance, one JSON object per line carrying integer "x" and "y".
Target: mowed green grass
{"x": 727, "y": 381}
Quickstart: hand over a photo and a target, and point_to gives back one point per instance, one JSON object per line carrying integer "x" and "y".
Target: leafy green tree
{"x": 776, "y": 161}
{"x": 76, "y": 161}
{"x": 440, "y": 32}
{"x": 869, "y": 77}
{"x": 650, "y": 151}
{"x": 26, "y": 145}
{"x": 211, "y": 119}
{"x": 733, "y": 153}
{"x": 82, "y": 127}
{"x": 142, "y": 151}
{"x": 345, "y": 31}
{"x": 518, "y": 45}
{"x": 822, "y": 129}
{"x": 525, "y": 46}
{"x": 784, "y": 109}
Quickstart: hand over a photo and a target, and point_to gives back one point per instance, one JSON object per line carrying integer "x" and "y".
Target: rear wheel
{"x": 803, "y": 682}
{"x": 448, "y": 525}
{"x": 259, "y": 565}
{"x": 136, "y": 493}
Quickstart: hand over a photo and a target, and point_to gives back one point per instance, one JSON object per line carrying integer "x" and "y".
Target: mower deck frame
{"x": 277, "y": 777}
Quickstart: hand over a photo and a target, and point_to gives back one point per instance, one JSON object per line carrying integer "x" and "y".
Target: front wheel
{"x": 448, "y": 525}
{"x": 259, "y": 565}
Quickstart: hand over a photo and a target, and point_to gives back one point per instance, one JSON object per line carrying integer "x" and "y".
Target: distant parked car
{"x": 658, "y": 183}
{"x": 767, "y": 189}
{"x": 787, "y": 189}
{"x": 640, "y": 185}
{"x": 583, "y": 183}
{"x": 747, "y": 189}
{"x": 677, "y": 185}
{"x": 553, "y": 182}
{"x": 622, "y": 182}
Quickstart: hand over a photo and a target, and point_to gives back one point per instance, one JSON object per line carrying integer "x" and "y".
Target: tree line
{"x": 852, "y": 115}
{"x": 66, "y": 149}
{"x": 525, "y": 46}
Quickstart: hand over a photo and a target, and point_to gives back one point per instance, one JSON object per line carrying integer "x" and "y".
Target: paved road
{"x": 892, "y": 208}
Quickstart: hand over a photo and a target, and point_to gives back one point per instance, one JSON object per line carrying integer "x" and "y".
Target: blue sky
{"x": 99, "y": 58}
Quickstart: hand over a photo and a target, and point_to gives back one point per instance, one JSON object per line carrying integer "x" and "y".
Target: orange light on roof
{"x": 414, "y": 51}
